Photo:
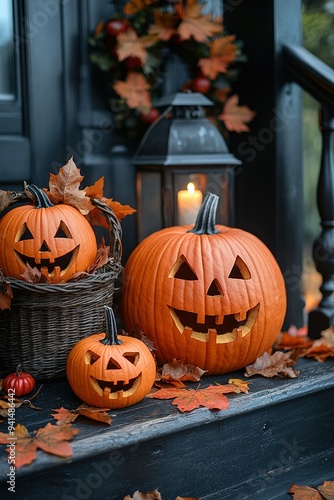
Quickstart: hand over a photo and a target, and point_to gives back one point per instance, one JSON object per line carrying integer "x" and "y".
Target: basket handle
{"x": 115, "y": 228}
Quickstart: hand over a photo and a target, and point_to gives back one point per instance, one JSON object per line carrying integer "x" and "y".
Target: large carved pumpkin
{"x": 110, "y": 370}
{"x": 213, "y": 296}
{"x": 57, "y": 239}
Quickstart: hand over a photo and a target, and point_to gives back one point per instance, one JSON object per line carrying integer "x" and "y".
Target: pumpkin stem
{"x": 18, "y": 370}
{"x": 41, "y": 198}
{"x": 206, "y": 217}
{"x": 111, "y": 328}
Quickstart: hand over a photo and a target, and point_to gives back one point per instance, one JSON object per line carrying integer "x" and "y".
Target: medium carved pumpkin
{"x": 106, "y": 370}
{"x": 57, "y": 239}
{"x": 213, "y": 296}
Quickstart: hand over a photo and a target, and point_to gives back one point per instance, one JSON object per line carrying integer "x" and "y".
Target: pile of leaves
{"x": 131, "y": 49}
{"x": 65, "y": 188}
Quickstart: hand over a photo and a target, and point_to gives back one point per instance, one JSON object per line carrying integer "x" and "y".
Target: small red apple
{"x": 114, "y": 27}
{"x": 201, "y": 84}
{"x": 150, "y": 117}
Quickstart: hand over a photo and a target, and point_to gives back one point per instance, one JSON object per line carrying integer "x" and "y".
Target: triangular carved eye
{"x": 182, "y": 270}
{"x": 63, "y": 231}
{"x": 214, "y": 289}
{"x": 240, "y": 270}
{"x": 25, "y": 233}
{"x": 91, "y": 358}
{"x": 132, "y": 357}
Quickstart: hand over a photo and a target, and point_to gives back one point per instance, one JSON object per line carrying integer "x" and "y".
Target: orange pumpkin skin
{"x": 189, "y": 293}
{"x": 110, "y": 376}
{"x": 58, "y": 240}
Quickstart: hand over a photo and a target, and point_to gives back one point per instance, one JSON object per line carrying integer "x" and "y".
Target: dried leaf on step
{"x": 152, "y": 495}
{"x": 240, "y": 385}
{"x": 304, "y": 493}
{"x": 176, "y": 370}
{"x": 278, "y": 364}
{"x": 287, "y": 341}
{"x": 211, "y": 397}
{"x": 51, "y": 439}
{"x": 65, "y": 416}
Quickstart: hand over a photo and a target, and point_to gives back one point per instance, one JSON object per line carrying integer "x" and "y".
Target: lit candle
{"x": 188, "y": 202}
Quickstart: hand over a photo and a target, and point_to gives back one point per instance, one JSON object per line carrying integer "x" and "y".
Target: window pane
{"x": 7, "y": 88}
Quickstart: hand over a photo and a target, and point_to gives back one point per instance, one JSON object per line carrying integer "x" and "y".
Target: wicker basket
{"x": 46, "y": 320}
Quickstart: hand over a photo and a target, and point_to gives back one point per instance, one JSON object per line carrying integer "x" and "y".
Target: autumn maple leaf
{"x": 164, "y": 25}
{"x": 51, "y": 439}
{"x": 278, "y": 364}
{"x": 135, "y": 91}
{"x": 64, "y": 187}
{"x": 234, "y": 116}
{"x": 134, "y": 6}
{"x": 130, "y": 45}
{"x": 324, "y": 491}
{"x": 222, "y": 53}
{"x": 211, "y": 397}
{"x": 64, "y": 416}
{"x": 194, "y": 24}
{"x": 176, "y": 370}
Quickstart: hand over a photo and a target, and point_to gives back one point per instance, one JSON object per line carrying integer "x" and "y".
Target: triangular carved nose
{"x": 44, "y": 247}
{"x": 214, "y": 289}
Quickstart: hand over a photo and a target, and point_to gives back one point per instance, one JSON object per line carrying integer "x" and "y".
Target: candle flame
{"x": 191, "y": 187}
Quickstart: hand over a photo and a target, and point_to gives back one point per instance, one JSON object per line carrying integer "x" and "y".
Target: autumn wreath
{"x": 133, "y": 47}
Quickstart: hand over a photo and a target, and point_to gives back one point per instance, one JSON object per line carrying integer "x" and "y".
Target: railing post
{"x": 323, "y": 248}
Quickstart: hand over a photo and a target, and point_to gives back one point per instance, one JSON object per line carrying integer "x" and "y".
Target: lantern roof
{"x": 183, "y": 135}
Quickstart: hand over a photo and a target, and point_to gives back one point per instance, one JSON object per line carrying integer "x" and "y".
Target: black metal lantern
{"x": 181, "y": 157}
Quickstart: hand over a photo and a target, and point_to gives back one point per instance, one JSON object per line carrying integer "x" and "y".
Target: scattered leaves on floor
{"x": 211, "y": 397}
{"x": 65, "y": 416}
{"x": 51, "y": 439}
{"x": 324, "y": 491}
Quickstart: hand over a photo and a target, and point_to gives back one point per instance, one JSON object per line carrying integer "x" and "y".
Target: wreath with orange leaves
{"x": 131, "y": 49}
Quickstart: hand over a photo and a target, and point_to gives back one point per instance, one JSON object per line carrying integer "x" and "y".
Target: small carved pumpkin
{"x": 57, "y": 239}
{"x": 212, "y": 296}
{"x": 106, "y": 370}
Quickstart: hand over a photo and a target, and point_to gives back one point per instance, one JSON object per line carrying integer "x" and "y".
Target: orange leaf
{"x": 211, "y": 397}
{"x": 164, "y": 25}
{"x": 234, "y": 116}
{"x": 96, "y": 190}
{"x": 135, "y": 91}
{"x": 33, "y": 275}
{"x": 130, "y": 45}
{"x": 288, "y": 341}
{"x": 177, "y": 370}
{"x": 194, "y": 24}
{"x": 64, "y": 416}
{"x": 222, "y": 53}
{"x": 240, "y": 385}
{"x": 64, "y": 188}
{"x": 319, "y": 351}
{"x": 327, "y": 490}
{"x": 151, "y": 495}
{"x": 135, "y": 6}
{"x": 6, "y": 293}
{"x": 51, "y": 439}
{"x": 278, "y": 364}
{"x": 304, "y": 493}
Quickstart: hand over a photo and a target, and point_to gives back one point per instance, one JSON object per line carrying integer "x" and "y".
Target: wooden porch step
{"x": 281, "y": 433}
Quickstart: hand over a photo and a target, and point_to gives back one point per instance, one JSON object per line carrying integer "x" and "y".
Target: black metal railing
{"x": 317, "y": 78}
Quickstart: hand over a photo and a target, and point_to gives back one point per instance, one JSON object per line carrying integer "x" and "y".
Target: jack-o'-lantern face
{"x": 58, "y": 241}
{"x": 110, "y": 370}
{"x": 217, "y": 327}
{"x": 214, "y": 299}
{"x": 116, "y": 377}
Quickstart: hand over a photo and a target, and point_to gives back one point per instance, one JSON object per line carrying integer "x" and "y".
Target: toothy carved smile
{"x": 228, "y": 330}
{"x": 50, "y": 267}
{"x": 116, "y": 389}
